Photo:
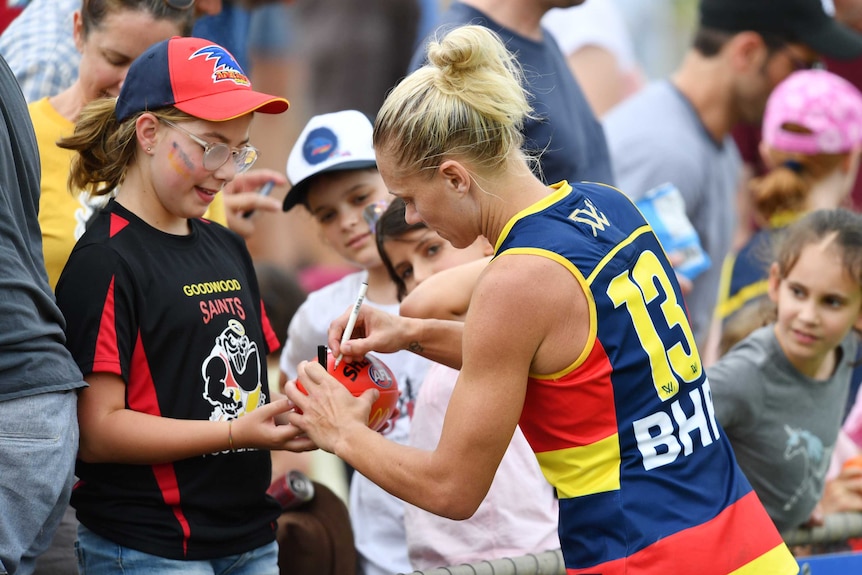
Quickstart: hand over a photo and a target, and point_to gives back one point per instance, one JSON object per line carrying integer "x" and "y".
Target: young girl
{"x": 429, "y": 271}
{"x": 333, "y": 171}
{"x": 812, "y": 133}
{"x": 109, "y": 34}
{"x": 780, "y": 393}
{"x": 166, "y": 323}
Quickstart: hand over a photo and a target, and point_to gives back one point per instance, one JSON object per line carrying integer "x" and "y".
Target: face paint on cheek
{"x": 180, "y": 162}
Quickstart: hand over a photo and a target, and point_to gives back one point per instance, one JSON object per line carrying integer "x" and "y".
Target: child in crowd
{"x": 812, "y": 131}
{"x": 780, "y": 393}
{"x": 507, "y": 523}
{"x": 333, "y": 172}
{"x": 165, "y": 320}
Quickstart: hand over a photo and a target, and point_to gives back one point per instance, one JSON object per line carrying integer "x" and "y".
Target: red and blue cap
{"x": 196, "y": 76}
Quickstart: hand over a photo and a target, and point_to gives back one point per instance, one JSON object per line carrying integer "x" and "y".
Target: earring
{"x": 149, "y": 149}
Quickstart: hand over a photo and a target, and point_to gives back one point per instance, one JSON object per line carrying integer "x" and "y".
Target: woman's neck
{"x": 69, "y": 102}
{"x": 829, "y": 192}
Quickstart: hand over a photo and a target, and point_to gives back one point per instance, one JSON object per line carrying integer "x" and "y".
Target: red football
{"x": 368, "y": 373}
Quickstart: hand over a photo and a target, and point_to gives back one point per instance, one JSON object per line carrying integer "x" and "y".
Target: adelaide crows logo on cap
{"x": 225, "y": 67}
{"x": 320, "y": 144}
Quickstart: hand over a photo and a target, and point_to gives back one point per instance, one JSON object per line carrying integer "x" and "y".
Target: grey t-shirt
{"x": 782, "y": 425}
{"x": 33, "y": 357}
{"x": 656, "y": 137}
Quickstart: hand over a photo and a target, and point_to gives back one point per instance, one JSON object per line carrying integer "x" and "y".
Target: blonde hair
{"x": 104, "y": 147}
{"x": 466, "y": 101}
{"x": 786, "y": 188}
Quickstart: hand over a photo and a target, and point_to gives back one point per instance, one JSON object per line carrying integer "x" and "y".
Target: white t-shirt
{"x": 376, "y": 516}
{"x": 519, "y": 515}
{"x": 596, "y": 23}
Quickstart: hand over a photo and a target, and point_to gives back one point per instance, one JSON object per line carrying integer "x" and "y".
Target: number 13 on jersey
{"x": 671, "y": 361}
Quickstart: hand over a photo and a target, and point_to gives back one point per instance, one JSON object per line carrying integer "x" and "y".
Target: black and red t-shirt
{"x": 180, "y": 319}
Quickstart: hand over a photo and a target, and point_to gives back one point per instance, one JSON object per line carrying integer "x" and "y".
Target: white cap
{"x": 328, "y": 143}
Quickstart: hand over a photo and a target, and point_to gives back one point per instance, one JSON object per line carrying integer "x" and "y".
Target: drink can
{"x": 292, "y": 490}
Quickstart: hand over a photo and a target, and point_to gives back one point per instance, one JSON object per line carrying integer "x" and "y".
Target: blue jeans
{"x": 38, "y": 444}
{"x": 98, "y": 556}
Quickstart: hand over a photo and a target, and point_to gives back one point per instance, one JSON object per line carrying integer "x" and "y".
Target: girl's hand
{"x": 258, "y": 429}
{"x": 844, "y": 493}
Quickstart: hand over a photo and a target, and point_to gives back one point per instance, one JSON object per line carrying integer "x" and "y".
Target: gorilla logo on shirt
{"x": 232, "y": 374}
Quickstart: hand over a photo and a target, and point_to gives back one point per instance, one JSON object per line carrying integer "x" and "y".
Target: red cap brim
{"x": 225, "y": 106}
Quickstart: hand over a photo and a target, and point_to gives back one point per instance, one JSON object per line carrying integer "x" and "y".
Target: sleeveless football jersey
{"x": 626, "y": 434}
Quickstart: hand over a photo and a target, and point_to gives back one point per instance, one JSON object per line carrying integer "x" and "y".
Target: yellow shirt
{"x": 63, "y": 215}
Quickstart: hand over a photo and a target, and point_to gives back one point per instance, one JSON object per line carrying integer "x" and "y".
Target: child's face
{"x": 182, "y": 186}
{"x": 818, "y": 303}
{"x": 336, "y": 200}
{"x": 421, "y": 253}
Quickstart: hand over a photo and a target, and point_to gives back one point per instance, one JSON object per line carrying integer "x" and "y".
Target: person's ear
{"x": 147, "y": 131}
{"x": 774, "y": 282}
{"x": 78, "y": 31}
{"x": 455, "y": 175}
{"x": 746, "y": 51}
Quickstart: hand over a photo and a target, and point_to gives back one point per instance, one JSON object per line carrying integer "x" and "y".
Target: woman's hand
{"x": 328, "y": 412}
{"x": 375, "y": 330}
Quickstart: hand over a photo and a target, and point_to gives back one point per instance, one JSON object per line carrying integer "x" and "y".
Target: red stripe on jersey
{"x": 107, "y": 354}
{"x": 166, "y": 477}
{"x": 736, "y": 537}
{"x": 117, "y": 224}
{"x": 577, "y": 409}
{"x": 141, "y": 389}
{"x": 268, "y": 332}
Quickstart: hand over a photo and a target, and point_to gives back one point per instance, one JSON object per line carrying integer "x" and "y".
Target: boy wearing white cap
{"x": 333, "y": 171}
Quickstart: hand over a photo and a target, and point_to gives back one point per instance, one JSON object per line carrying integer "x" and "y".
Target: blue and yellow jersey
{"x": 627, "y": 434}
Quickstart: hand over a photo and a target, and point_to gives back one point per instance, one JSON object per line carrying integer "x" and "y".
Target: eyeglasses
{"x": 180, "y": 4}
{"x": 373, "y": 211}
{"x": 801, "y": 63}
{"x": 217, "y": 153}
{"x": 778, "y": 45}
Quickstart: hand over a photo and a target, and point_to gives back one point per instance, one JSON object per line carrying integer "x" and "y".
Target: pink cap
{"x": 827, "y": 105}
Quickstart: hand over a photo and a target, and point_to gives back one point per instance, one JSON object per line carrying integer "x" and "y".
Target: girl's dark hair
{"x": 391, "y": 226}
